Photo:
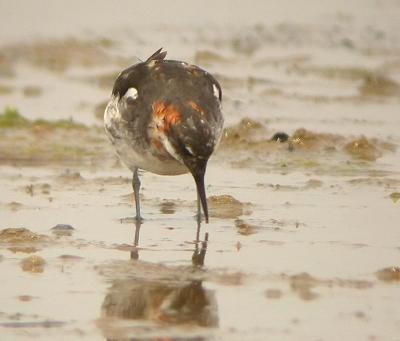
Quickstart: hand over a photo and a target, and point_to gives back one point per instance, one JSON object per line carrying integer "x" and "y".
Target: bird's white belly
{"x": 135, "y": 156}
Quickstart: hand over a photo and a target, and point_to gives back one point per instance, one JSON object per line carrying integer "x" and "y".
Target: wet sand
{"x": 303, "y": 239}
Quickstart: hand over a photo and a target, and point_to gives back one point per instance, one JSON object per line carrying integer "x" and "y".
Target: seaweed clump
{"x": 363, "y": 149}
{"x": 11, "y": 118}
{"x": 34, "y": 142}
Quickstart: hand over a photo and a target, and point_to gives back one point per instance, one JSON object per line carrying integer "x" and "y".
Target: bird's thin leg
{"x": 136, "y": 189}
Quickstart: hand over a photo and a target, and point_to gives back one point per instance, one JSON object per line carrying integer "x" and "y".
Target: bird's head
{"x": 191, "y": 140}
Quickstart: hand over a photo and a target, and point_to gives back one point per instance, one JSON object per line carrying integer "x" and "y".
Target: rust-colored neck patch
{"x": 166, "y": 115}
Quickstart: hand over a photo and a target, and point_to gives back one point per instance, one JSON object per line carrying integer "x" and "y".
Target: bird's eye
{"x": 131, "y": 95}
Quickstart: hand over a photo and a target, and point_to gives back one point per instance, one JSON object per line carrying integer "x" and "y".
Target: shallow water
{"x": 303, "y": 239}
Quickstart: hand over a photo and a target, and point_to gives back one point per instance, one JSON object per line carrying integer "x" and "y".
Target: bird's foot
{"x": 132, "y": 220}
{"x": 199, "y": 217}
{"x": 138, "y": 219}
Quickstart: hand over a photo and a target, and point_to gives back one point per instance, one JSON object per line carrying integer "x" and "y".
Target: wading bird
{"x": 164, "y": 116}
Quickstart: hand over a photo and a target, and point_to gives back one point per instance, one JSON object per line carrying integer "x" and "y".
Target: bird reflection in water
{"x": 199, "y": 253}
{"x": 135, "y": 250}
{"x": 166, "y": 300}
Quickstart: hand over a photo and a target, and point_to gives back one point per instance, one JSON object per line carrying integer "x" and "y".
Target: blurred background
{"x": 276, "y": 57}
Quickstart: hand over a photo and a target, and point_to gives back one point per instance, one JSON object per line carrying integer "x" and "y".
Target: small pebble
{"x": 280, "y": 137}
{"x": 63, "y": 230}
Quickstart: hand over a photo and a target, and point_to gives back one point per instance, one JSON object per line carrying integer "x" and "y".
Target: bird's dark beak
{"x": 201, "y": 191}
{"x": 197, "y": 166}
